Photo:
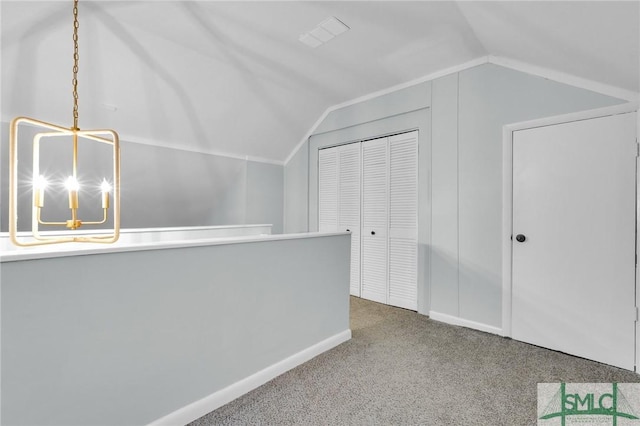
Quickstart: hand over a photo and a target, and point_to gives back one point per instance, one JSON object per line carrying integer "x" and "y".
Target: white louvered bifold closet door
{"x": 375, "y": 202}
{"x": 349, "y": 173}
{"x": 403, "y": 220}
{"x": 371, "y": 190}
{"x": 328, "y": 190}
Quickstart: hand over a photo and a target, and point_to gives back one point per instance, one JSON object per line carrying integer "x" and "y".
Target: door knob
{"x": 520, "y": 238}
{"x": 373, "y": 232}
{"x": 348, "y": 230}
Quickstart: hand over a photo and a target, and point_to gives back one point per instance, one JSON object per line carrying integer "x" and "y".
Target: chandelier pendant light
{"x": 74, "y": 186}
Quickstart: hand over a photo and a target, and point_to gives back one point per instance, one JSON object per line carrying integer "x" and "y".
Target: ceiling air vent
{"x": 325, "y": 31}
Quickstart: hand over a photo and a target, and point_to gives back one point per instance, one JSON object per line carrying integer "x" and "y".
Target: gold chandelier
{"x": 50, "y": 132}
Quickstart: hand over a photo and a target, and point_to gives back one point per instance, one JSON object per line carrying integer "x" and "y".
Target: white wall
{"x": 461, "y": 188}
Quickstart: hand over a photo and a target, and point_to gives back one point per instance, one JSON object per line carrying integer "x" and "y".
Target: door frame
{"x": 507, "y": 199}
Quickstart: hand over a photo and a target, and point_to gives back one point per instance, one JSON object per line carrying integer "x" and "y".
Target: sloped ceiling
{"x": 232, "y": 77}
{"x": 598, "y": 41}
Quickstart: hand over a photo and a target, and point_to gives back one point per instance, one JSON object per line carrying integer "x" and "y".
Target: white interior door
{"x": 573, "y": 279}
{"x": 375, "y": 200}
{"x": 403, "y": 220}
{"x": 349, "y": 172}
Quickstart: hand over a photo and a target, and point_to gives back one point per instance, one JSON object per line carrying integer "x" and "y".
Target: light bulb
{"x": 105, "y": 186}
{"x": 105, "y": 193}
{"x": 40, "y": 182}
{"x": 72, "y": 184}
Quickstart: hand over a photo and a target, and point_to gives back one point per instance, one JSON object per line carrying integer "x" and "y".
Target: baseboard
{"x": 217, "y": 399}
{"x": 450, "y": 319}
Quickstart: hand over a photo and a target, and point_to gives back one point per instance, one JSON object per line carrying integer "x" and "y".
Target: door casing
{"x": 507, "y": 201}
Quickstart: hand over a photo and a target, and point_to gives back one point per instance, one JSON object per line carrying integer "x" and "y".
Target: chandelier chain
{"x": 76, "y": 58}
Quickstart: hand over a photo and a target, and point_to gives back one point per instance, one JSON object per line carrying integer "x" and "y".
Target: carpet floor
{"x": 402, "y": 368}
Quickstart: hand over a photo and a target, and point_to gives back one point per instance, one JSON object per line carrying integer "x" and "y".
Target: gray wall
{"x": 388, "y": 114}
{"x": 127, "y": 338}
{"x": 296, "y": 181}
{"x": 461, "y": 183}
{"x": 265, "y": 194}
{"x": 444, "y": 190}
{"x": 398, "y": 102}
{"x": 488, "y": 97}
{"x": 163, "y": 187}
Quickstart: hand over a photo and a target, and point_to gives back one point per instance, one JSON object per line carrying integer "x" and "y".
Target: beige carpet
{"x": 405, "y": 369}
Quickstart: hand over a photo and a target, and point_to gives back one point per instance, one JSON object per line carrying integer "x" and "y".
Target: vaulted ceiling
{"x": 232, "y": 77}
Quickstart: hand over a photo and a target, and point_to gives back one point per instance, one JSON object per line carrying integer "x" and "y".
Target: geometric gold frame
{"x": 100, "y": 136}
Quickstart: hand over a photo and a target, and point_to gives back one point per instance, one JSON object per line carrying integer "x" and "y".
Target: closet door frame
{"x": 507, "y": 201}
{"x": 356, "y": 128}
{"x": 384, "y": 295}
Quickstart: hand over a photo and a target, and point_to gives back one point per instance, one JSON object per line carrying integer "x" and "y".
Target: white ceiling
{"x": 232, "y": 77}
